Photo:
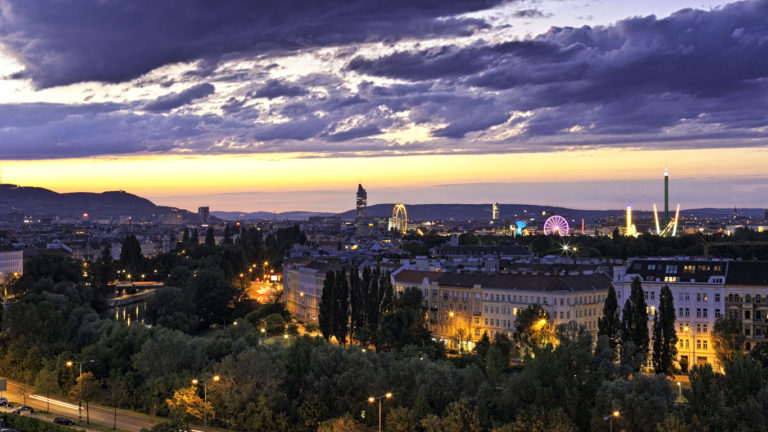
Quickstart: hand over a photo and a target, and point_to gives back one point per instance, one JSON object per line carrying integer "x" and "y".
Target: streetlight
{"x": 610, "y": 417}
{"x": 71, "y": 363}
{"x": 373, "y": 399}
{"x": 195, "y": 381}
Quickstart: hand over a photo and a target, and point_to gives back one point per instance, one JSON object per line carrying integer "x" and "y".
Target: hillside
{"x": 40, "y": 201}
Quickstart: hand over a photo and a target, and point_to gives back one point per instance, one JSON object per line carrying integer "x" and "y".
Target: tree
{"x": 227, "y": 235}
{"x": 47, "y": 382}
{"x": 185, "y": 405}
{"x": 344, "y": 423}
{"x": 634, "y": 320}
{"x": 131, "y": 259}
{"x": 531, "y": 328}
{"x": 400, "y": 419}
{"x": 482, "y": 346}
{"x": 705, "y": 397}
{"x": 494, "y": 365}
{"x": 194, "y": 238}
{"x": 538, "y": 420}
{"x": 103, "y": 270}
{"x": 341, "y": 307}
{"x": 610, "y": 323}
{"x": 86, "y": 389}
{"x": 210, "y": 238}
{"x": 664, "y": 334}
{"x": 728, "y": 338}
{"x": 327, "y": 299}
{"x": 116, "y": 395}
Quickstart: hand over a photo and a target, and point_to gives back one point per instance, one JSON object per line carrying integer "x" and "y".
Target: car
{"x": 64, "y": 421}
{"x": 23, "y": 409}
{"x": 3, "y": 401}
{"x": 8, "y": 430}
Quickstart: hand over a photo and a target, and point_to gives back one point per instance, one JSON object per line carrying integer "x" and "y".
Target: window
{"x": 653, "y": 295}
{"x": 717, "y": 313}
{"x": 681, "y": 312}
{"x": 757, "y": 298}
{"x": 561, "y": 315}
{"x": 747, "y": 330}
{"x": 561, "y": 302}
{"x": 746, "y": 315}
{"x": 747, "y": 298}
{"x": 704, "y": 344}
{"x": 687, "y": 312}
{"x": 646, "y": 294}
{"x": 698, "y": 343}
{"x": 698, "y": 297}
{"x": 698, "y": 313}
{"x": 717, "y": 297}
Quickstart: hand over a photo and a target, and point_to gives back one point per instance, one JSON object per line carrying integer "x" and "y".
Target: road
{"x": 126, "y": 420}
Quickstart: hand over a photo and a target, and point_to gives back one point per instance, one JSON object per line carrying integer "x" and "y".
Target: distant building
{"x": 362, "y": 203}
{"x": 461, "y": 307}
{"x": 494, "y": 212}
{"x": 11, "y": 263}
{"x": 204, "y": 216}
{"x": 303, "y": 287}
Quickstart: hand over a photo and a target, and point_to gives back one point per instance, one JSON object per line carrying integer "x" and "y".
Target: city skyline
{"x": 286, "y": 116}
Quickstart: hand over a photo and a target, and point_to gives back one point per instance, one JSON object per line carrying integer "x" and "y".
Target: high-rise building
{"x": 204, "y": 216}
{"x": 362, "y": 203}
{"x": 666, "y": 196}
{"x": 495, "y": 211}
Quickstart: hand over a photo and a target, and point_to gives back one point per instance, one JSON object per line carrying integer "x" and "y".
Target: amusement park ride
{"x": 399, "y": 220}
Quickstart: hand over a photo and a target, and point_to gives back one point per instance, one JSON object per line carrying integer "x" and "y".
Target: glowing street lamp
{"x": 195, "y": 381}
{"x": 373, "y": 399}
{"x": 611, "y": 417}
{"x": 71, "y": 363}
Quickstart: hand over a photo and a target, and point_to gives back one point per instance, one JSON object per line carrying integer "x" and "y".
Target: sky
{"x": 247, "y": 105}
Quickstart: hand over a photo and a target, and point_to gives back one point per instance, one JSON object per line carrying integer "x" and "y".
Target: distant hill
{"x": 43, "y": 202}
{"x": 292, "y": 215}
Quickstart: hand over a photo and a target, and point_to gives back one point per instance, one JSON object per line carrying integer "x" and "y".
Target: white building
{"x": 698, "y": 289}
{"x": 11, "y": 264}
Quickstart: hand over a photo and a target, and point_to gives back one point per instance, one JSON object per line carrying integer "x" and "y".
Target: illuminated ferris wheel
{"x": 556, "y": 225}
{"x": 399, "y": 221}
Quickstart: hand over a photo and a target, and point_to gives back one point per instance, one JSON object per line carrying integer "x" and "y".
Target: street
{"x": 100, "y": 415}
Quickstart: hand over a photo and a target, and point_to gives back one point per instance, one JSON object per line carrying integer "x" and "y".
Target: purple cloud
{"x": 62, "y": 43}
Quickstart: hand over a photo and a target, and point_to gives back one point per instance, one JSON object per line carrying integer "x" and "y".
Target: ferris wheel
{"x": 556, "y": 225}
{"x": 399, "y": 221}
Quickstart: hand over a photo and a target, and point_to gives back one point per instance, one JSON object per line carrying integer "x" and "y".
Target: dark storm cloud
{"x": 62, "y": 42}
{"x": 276, "y": 88}
{"x": 175, "y": 100}
{"x": 530, "y": 13}
{"x": 640, "y": 75}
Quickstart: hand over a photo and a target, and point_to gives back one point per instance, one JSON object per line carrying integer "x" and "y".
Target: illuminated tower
{"x": 666, "y": 196}
{"x": 495, "y": 211}
{"x": 362, "y": 202}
